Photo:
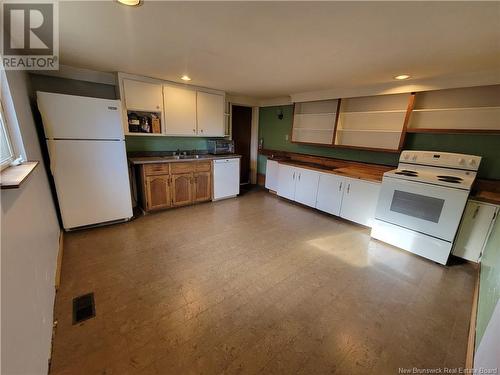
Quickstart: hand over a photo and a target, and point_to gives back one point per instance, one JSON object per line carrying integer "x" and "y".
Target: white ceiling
{"x": 272, "y": 49}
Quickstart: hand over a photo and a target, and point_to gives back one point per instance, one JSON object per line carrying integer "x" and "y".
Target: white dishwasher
{"x": 226, "y": 178}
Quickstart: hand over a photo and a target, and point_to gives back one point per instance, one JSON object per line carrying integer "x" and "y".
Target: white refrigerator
{"x": 88, "y": 160}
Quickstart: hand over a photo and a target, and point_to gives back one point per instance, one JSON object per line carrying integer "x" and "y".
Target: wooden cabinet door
{"x": 329, "y": 196}
{"x": 474, "y": 230}
{"x": 142, "y": 96}
{"x": 182, "y": 185}
{"x": 306, "y": 187}
{"x": 286, "y": 181}
{"x": 359, "y": 201}
{"x": 202, "y": 187}
{"x": 157, "y": 192}
{"x": 210, "y": 114}
{"x": 180, "y": 110}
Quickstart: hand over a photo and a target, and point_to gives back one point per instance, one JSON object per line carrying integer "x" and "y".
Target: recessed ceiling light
{"x": 402, "y": 76}
{"x": 185, "y": 78}
{"x": 132, "y": 3}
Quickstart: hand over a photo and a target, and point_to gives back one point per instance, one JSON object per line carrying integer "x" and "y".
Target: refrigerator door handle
{"x": 52, "y": 156}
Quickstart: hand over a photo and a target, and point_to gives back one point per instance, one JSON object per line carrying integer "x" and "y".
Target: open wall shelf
{"x": 314, "y": 122}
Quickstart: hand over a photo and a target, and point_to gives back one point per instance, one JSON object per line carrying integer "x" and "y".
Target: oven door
{"x": 429, "y": 209}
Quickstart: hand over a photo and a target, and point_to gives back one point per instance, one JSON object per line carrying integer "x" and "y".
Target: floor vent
{"x": 83, "y": 308}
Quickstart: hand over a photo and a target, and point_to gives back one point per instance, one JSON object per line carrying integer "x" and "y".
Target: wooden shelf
{"x": 479, "y": 108}
{"x": 374, "y": 112}
{"x": 13, "y": 177}
{"x": 370, "y": 130}
{"x": 453, "y": 131}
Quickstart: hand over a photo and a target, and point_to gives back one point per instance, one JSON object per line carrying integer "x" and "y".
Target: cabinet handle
{"x": 340, "y": 187}
{"x": 294, "y": 175}
{"x": 299, "y": 176}
{"x": 348, "y": 188}
{"x": 476, "y": 212}
{"x": 194, "y": 130}
{"x": 201, "y": 130}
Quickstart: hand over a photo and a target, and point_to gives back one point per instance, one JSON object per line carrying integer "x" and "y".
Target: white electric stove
{"x": 421, "y": 202}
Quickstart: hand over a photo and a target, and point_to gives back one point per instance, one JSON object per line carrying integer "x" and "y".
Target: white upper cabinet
{"x": 329, "y": 198}
{"x": 180, "y": 111}
{"x": 306, "y": 186}
{"x": 210, "y": 114}
{"x": 142, "y": 96}
{"x": 359, "y": 201}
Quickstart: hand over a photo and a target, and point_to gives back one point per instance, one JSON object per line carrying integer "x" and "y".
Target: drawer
{"x": 182, "y": 167}
{"x": 203, "y": 166}
{"x": 154, "y": 169}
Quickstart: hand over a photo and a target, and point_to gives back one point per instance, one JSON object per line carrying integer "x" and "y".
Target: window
{"x": 6, "y": 153}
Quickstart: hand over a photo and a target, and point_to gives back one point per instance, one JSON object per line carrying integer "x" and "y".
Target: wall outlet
{"x": 286, "y": 137}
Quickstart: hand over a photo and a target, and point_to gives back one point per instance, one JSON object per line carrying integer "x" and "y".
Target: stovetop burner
{"x": 453, "y": 179}
{"x": 406, "y": 172}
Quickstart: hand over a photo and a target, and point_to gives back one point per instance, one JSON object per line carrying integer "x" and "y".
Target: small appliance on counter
{"x": 220, "y": 146}
{"x": 421, "y": 203}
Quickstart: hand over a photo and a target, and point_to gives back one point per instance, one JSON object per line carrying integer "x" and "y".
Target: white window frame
{"x": 4, "y": 129}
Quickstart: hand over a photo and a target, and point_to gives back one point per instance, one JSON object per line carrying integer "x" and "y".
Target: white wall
{"x": 29, "y": 246}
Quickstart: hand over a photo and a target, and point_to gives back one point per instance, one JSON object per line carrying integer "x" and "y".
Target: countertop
{"x": 138, "y": 160}
{"x": 368, "y": 172}
{"x": 483, "y": 190}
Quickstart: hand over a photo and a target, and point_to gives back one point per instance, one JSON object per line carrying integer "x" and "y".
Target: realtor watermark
{"x": 30, "y": 35}
{"x": 448, "y": 370}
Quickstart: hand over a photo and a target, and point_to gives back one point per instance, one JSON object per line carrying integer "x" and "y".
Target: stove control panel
{"x": 441, "y": 159}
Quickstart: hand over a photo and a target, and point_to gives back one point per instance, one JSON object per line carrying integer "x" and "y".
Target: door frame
{"x": 254, "y": 138}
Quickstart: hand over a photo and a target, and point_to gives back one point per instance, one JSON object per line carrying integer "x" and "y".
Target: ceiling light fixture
{"x": 131, "y": 3}
{"x": 185, "y": 78}
{"x": 402, "y": 76}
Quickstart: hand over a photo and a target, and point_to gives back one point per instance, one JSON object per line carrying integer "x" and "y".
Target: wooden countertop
{"x": 486, "y": 191}
{"x": 138, "y": 160}
{"x": 369, "y": 172}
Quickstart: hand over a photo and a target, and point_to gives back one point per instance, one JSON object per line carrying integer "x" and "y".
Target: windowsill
{"x": 13, "y": 177}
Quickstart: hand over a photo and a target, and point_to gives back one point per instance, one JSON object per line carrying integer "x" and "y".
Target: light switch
{"x": 286, "y": 137}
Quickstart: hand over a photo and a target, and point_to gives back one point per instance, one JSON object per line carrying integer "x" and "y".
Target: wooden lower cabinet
{"x": 182, "y": 189}
{"x": 158, "y": 192}
{"x": 178, "y": 184}
{"x": 202, "y": 187}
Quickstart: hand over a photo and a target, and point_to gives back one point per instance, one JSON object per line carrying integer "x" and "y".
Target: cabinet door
{"x": 182, "y": 193}
{"x": 202, "y": 187}
{"x": 474, "y": 230}
{"x": 272, "y": 175}
{"x": 180, "y": 110}
{"x": 330, "y": 191}
{"x": 359, "y": 201}
{"x": 142, "y": 96}
{"x": 210, "y": 114}
{"x": 306, "y": 186}
{"x": 157, "y": 192}
{"x": 286, "y": 181}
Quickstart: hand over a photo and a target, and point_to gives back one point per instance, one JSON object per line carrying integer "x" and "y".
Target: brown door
{"x": 242, "y": 133}
{"x": 202, "y": 187}
{"x": 182, "y": 189}
{"x": 157, "y": 192}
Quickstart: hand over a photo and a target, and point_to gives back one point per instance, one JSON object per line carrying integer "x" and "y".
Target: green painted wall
{"x": 146, "y": 143}
{"x": 273, "y": 132}
{"x": 489, "y": 286}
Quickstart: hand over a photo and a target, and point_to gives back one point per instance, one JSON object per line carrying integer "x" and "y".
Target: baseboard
{"x": 471, "y": 342}
{"x": 59, "y": 260}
